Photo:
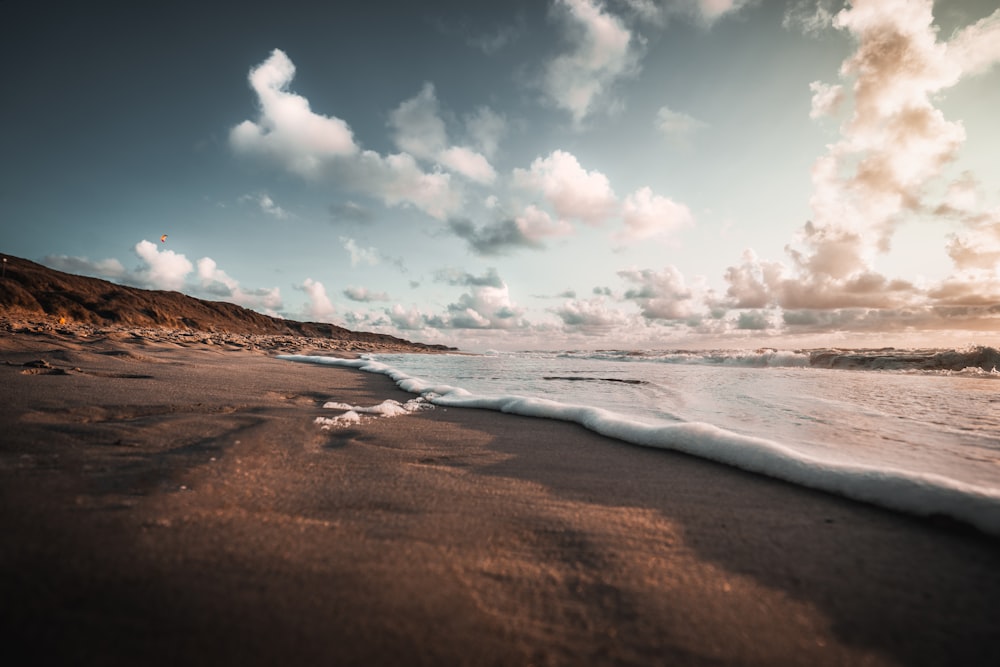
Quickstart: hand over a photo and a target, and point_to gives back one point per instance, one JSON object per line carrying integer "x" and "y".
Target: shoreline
{"x": 165, "y": 498}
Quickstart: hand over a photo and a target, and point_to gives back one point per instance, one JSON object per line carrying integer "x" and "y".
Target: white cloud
{"x": 217, "y": 283}
{"x": 676, "y": 125}
{"x": 894, "y": 145}
{"x": 287, "y": 129}
{"x": 319, "y": 308}
{"x": 826, "y": 99}
{"x": 535, "y": 224}
{"x": 322, "y": 147}
{"x": 404, "y": 319}
{"x": 420, "y": 132}
{"x": 646, "y": 215}
{"x": 572, "y": 191}
{"x": 590, "y": 313}
{"x": 165, "y": 269}
{"x": 662, "y": 295}
{"x": 358, "y": 254}
{"x": 468, "y": 163}
{"x": 603, "y": 51}
{"x": 976, "y": 48}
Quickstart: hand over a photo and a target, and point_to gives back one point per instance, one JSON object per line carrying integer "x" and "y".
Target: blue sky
{"x": 563, "y": 174}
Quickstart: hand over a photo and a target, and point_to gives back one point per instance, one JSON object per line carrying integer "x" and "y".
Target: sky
{"x": 527, "y": 174}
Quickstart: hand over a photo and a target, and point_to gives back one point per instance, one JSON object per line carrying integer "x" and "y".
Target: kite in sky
{"x": 163, "y": 239}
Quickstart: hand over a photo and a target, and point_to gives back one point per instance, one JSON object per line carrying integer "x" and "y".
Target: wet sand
{"x": 168, "y": 499}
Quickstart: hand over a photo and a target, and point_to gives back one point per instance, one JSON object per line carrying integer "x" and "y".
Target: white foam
{"x": 922, "y": 494}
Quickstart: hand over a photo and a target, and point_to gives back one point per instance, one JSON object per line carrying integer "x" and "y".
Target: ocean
{"x": 916, "y": 431}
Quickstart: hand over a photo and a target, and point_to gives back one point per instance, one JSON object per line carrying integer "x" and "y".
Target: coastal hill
{"x": 28, "y": 289}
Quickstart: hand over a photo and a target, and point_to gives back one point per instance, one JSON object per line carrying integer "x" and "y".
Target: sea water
{"x": 917, "y": 431}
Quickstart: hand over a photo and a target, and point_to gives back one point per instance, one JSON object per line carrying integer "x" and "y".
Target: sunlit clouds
{"x": 614, "y": 173}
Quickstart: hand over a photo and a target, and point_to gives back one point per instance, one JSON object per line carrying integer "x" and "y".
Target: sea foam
{"x": 921, "y": 494}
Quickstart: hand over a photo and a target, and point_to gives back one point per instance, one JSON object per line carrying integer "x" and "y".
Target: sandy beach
{"x": 167, "y": 498}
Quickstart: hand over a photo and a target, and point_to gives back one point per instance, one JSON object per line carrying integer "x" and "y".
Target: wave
{"x": 975, "y": 358}
{"x": 921, "y": 494}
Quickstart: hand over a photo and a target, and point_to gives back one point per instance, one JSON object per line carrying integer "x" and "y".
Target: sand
{"x": 168, "y": 499}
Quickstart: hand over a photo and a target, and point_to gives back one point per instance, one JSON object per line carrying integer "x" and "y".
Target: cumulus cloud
{"x": 826, "y": 99}
{"x": 169, "y": 270}
{"x": 364, "y": 295}
{"x": 318, "y": 147}
{"x": 164, "y": 269}
{"x": 319, "y": 307}
{"x": 217, "y": 283}
{"x": 486, "y": 305}
{"x": 358, "y": 254}
{"x": 420, "y": 132}
{"x": 404, "y": 319}
{"x": 602, "y": 51}
{"x": 287, "y": 128}
{"x": 662, "y": 295}
{"x": 490, "y": 239}
{"x": 894, "y": 144}
{"x": 592, "y": 313}
{"x": 647, "y": 215}
{"x": 572, "y": 191}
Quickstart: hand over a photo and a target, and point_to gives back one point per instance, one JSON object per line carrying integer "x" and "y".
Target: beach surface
{"x": 168, "y": 498}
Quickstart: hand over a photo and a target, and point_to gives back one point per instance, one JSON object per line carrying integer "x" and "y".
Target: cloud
{"x": 358, "y": 254}
{"x": 420, "y": 132}
{"x": 109, "y": 269}
{"x": 364, "y": 295}
{"x": 676, "y": 125}
{"x": 893, "y": 146}
{"x": 287, "y": 129}
{"x": 165, "y": 269}
{"x": 493, "y": 238}
{"x": 266, "y": 204}
{"x": 662, "y": 295}
{"x": 572, "y": 191}
{"x": 169, "y": 270}
{"x": 976, "y": 48}
{"x": 826, "y": 99}
{"x": 319, "y": 308}
{"x": 485, "y": 307}
{"x": 456, "y": 277}
{"x": 602, "y": 51}
{"x": 590, "y": 314}
{"x": 319, "y": 147}
{"x": 404, "y": 319}
{"x": 216, "y": 282}
{"x": 485, "y": 128}
{"x": 647, "y": 215}
{"x": 809, "y": 16}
